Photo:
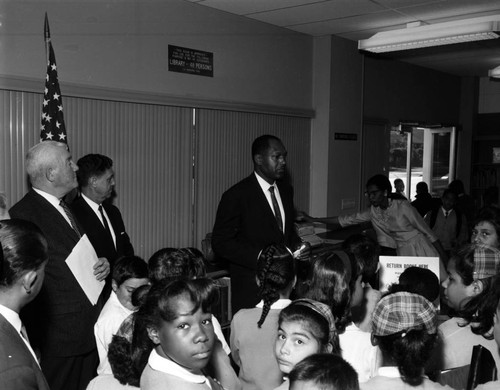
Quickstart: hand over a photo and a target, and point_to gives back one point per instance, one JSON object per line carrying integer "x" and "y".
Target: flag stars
{"x": 45, "y": 102}
{"x": 49, "y": 135}
{"x": 62, "y": 136}
{"x": 54, "y": 67}
{"x": 58, "y": 125}
{"x": 56, "y": 96}
{"x": 60, "y": 108}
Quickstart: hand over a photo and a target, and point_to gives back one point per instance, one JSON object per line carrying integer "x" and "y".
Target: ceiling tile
{"x": 318, "y": 12}
{"x": 356, "y": 27}
{"x": 254, "y": 6}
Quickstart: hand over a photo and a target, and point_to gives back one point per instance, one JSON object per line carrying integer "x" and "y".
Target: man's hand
{"x": 101, "y": 268}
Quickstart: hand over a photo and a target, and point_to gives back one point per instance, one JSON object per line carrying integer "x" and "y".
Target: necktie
{"x": 104, "y": 220}
{"x": 24, "y": 334}
{"x": 66, "y": 209}
{"x": 276, "y": 207}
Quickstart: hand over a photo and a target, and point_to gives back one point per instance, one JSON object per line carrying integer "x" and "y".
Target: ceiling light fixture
{"x": 495, "y": 72}
{"x": 438, "y": 34}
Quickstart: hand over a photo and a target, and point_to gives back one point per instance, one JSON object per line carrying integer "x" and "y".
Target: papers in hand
{"x": 81, "y": 262}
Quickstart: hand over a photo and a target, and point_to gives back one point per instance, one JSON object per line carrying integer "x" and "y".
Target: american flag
{"x": 53, "y": 127}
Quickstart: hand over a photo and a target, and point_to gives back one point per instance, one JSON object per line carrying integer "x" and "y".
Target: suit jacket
{"x": 244, "y": 225}
{"x": 18, "y": 368}
{"x": 100, "y": 239}
{"x": 60, "y": 320}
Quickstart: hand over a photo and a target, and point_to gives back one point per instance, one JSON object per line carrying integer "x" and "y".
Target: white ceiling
{"x": 360, "y": 19}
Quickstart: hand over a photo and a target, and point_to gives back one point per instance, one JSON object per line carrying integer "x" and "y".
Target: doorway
{"x": 422, "y": 154}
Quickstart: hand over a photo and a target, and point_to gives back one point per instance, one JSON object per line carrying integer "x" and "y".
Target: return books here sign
{"x": 393, "y": 266}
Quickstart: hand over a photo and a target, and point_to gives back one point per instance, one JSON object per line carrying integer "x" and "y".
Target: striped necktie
{"x": 276, "y": 207}
{"x": 70, "y": 216}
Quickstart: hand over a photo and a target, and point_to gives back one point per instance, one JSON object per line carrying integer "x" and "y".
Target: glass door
{"x": 431, "y": 158}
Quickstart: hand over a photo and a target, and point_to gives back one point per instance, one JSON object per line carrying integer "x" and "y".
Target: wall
{"x": 320, "y": 126}
{"x": 346, "y": 109}
{"x": 489, "y": 96}
{"x": 399, "y": 91}
{"x": 124, "y": 45}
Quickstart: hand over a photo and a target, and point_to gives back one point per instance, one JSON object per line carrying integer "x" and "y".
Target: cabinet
{"x": 485, "y": 172}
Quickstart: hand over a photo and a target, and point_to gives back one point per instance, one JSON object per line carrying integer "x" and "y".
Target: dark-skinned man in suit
{"x": 248, "y": 219}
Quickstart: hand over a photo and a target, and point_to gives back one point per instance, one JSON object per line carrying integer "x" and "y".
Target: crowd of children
{"x": 336, "y": 331}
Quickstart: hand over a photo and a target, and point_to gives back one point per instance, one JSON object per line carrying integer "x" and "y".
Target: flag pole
{"x": 46, "y": 35}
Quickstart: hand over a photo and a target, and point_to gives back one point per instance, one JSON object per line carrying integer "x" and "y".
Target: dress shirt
{"x": 112, "y": 315}
{"x": 54, "y": 201}
{"x": 95, "y": 207}
{"x": 265, "y": 189}
{"x": 13, "y": 318}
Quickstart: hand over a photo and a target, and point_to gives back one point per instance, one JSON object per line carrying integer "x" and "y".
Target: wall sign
{"x": 346, "y": 136}
{"x": 185, "y": 60}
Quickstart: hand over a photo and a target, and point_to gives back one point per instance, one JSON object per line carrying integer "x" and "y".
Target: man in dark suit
{"x": 22, "y": 270}
{"x": 101, "y": 220}
{"x": 250, "y": 216}
{"x": 61, "y": 319}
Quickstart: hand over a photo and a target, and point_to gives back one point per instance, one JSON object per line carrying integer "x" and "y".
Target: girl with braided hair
{"x": 254, "y": 331}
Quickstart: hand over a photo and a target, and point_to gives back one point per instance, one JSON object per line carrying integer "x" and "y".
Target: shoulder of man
{"x": 24, "y": 206}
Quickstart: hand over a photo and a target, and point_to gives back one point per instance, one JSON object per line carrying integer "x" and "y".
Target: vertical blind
{"x": 170, "y": 170}
{"x": 224, "y": 157}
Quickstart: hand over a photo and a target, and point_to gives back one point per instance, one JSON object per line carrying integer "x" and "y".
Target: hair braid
{"x": 275, "y": 271}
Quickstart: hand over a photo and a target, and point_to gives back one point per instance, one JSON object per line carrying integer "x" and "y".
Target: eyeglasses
{"x": 372, "y": 193}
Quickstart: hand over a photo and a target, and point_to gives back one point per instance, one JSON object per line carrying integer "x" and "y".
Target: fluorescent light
{"x": 495, "y": 72}
{"x": 438, "y": 34}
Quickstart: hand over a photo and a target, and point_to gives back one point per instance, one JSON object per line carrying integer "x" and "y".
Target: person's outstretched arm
{"x": 302, "y": 216}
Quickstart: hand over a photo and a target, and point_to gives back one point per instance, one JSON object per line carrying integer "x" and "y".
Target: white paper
{"x": 393, "y": 266}
{"x": 81, "y": 262}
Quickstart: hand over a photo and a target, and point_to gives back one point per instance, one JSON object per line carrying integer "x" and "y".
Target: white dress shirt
{"x": 265, "y": 188}
{"x": 95, "y": 207}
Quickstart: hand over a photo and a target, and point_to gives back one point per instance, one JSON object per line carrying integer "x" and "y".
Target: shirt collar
{"x": 114, "y": 298}
{"x": 93, "y": 205}
{"x": 167, "y": 366}
{"x": 264, "y": 184}
{"x": 279, "y": 304}
{"x": 12, "y": 317}
{"x": 390, "y": 372}
{"x": 53, "y": 200}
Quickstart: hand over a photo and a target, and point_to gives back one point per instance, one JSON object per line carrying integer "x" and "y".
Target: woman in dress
{"x": 397, "y": 223}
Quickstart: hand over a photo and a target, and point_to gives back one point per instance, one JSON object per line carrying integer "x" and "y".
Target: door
{"x": 431, "y": 158}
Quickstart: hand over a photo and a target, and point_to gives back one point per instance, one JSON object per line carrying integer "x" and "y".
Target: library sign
{"x": 185, "y": 60}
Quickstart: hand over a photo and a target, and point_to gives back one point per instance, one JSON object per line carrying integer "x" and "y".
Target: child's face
{"x": 187, "y": 340}
{"x": 496, "y": 326}
{"x": 484, "y": 233}
{"x": 455, "y": 292}
{"x": 294, "y": 343}
{"x": 124, "y": 291}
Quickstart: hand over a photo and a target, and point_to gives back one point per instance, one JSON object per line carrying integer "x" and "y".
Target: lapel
{"x": 50, "y": 216}
{"x": 13, "y": 335}
{"x": 264, "y": 205}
